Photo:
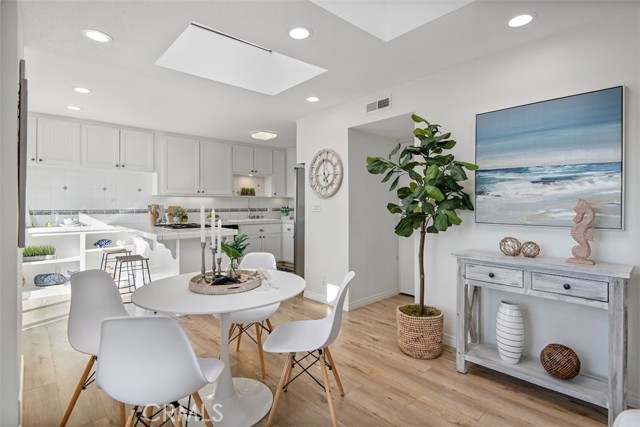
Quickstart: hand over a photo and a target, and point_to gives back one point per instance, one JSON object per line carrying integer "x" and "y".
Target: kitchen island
{"x": 177, "y": 251}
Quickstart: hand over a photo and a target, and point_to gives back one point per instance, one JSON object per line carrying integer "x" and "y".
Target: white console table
{"x": 601, "y": 285}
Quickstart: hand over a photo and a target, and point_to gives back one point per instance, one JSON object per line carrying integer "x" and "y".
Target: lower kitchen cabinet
{"x": 263, "y": 238}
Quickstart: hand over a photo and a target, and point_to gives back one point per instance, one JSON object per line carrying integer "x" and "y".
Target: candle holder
{"x": 202, "y": 269}
{"x": 212, "y": 246}
{"x": 219, "y": 261}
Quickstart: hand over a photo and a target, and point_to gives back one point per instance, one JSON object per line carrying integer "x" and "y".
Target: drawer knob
{"x": 566, "y": 286}
{"x": 492, "y": 275}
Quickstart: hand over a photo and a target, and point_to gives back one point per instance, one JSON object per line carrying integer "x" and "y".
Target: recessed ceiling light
{"x": 263, "y": 135}
{"x": 82, "y": 90}
{"x": 299, "y": 33}
{"x": 97, "y": 36}
{"x": 313, "y": 99}
{"x": 521, "y": 20}
{"x": 73, "y": 108}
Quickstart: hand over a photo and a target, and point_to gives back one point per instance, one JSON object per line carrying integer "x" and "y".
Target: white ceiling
{"x": 129, "y": 89}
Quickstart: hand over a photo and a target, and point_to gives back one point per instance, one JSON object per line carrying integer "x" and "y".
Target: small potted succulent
{"x": 234, "y": 250}
{"x": 179, "y": 215}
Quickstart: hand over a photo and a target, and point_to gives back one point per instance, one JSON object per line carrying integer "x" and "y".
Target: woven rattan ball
{"x": 560, "y": 361}
{"x": 510, "y": 246}
{"x": 530, "y": 249}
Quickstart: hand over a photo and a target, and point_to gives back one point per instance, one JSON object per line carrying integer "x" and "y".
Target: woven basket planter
{"x": 420, "y": 337}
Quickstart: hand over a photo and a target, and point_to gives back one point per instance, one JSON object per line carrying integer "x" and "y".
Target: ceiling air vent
{"x": 381, "y": 104}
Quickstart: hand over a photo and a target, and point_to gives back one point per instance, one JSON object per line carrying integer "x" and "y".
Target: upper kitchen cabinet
{"x": 279, "y": 173}
{"x": 249, "y": 160}
{"x": 57, "y": 142}
{"x": 193, "y": 167}
{"x": 111, "y": 147}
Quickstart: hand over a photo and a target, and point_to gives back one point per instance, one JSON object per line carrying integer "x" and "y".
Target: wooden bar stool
{"x": 106, "y": 253}
{"x": 132, "y": 264}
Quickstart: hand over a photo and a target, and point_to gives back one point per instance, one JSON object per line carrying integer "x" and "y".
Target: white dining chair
{"x": 309, "y": 336}
{"x": 155, "y": 374}
{"x": 94, "y": 297}
{"x": 243, "y": 321}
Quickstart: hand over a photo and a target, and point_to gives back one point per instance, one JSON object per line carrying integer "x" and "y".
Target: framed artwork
{"x": 537, "y": 160}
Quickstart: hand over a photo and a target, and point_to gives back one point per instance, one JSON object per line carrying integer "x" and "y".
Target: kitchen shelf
{"x": 53, "y": 261}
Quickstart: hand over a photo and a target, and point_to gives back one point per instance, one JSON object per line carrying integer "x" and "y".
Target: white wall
{"x": 10, "y": 314}
{"x": 373, "y": 245}
{"x": 592, "y": 57}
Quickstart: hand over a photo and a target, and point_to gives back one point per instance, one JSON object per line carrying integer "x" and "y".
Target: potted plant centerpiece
{"x": 234, "y": 251}
{"x": 428, "y": 203}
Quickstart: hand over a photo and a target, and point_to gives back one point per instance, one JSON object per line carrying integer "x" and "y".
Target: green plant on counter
{"x": 236, "y": 248}
{"x": 31, "y": 251}
{"x": 181, "y": 214}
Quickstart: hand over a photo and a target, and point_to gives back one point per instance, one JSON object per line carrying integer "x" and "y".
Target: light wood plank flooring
{"x": 383, "y": 386}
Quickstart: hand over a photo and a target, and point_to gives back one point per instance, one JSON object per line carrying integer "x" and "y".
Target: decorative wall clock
{"x": 325, "y": 173}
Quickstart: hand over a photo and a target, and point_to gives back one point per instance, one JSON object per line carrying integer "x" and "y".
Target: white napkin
{"x": 267, "y": 282}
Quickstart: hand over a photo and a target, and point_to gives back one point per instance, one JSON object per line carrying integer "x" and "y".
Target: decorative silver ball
{"x": 530, "y": 249}
{"x": 510, "y": 246}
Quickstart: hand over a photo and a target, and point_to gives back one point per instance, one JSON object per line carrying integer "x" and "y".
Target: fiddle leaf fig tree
{"x": 429, "y": 201}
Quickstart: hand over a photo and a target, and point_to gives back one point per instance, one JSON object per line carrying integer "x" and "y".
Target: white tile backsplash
{"x": 85, "y": 191}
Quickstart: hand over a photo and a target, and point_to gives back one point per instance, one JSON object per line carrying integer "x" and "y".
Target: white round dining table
{"x": 236, "y": 401}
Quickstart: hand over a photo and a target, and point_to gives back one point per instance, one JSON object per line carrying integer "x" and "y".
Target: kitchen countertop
{"x": 160, "y": 233}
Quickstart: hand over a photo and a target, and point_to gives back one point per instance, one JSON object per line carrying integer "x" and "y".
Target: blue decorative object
{"x": 102, "y": 243}
{"x": 49, "y": 279}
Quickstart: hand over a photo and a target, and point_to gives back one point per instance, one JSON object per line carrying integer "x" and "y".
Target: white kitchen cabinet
{"x": 250, "y": 160}
{"x": 278, "y": 180}
{"x": 263, "y": 238}
{"x": 193, "y": 167}
{"x": 111, "y": 147}
{"x": 287, "y": 242}
{"x": 136, "y": 150}
{"x": 57, "y": 143}
{"x": 290, "y": 174}
{"x": 215, "y": 173}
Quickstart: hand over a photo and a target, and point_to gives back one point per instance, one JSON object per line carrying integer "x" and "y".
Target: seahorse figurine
{"x": 582, "y": 233}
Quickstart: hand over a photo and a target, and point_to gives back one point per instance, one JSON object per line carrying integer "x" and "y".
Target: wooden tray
{"x": 248, "y": 280}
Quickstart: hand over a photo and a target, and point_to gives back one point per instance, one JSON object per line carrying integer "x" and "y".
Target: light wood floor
{"x": 383, "y": 386}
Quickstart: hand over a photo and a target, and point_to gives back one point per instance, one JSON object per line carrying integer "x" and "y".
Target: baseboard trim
{"x": 315, "y": 297}
{"x": 371, "y": 299}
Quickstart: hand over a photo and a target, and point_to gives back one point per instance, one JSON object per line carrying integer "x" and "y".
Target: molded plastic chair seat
{"x": 309, "y": 336}
{"x": 299, "y": 336}
{"x": 152, "y": 374}
{"x": 254, "y": 315}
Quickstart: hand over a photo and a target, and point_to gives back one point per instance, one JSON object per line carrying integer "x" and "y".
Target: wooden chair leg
{"x": 269, "y": 325}
{"x": 285, "y": 373}
{"x": 232, "y": 327}
{"x": 202, "y": 409}
{"x": 260, "y": 352}
{"x": 132, "y": 417}
{"x": 76, "y": 393}
{"x": 334, "y": 370}
{"x": 123, "y": 414}
{"x": 327, "y": 389}
{"x": 177, "y": 417}
{"x": 239, "y": 337}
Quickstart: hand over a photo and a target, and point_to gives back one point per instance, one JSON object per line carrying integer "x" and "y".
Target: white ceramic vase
{"x": 509, "y": 332}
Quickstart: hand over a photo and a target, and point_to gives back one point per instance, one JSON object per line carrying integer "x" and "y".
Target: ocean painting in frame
{"x": 537, "y": 160}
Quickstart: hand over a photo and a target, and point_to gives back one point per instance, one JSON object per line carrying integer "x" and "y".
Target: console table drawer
{"x": 497, "y": 275}
{"x": 570, "y": 286}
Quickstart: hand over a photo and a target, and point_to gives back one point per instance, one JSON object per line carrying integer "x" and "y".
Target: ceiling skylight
{"x": 388, "y": 19}
{"x": 208, "y": 53}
